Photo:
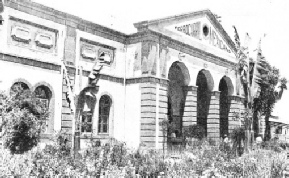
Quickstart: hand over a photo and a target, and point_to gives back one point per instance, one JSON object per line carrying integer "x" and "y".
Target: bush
{"x": 195, "y": 131}
{"x": 116, "y": 160}
{"x": 22, "y": 119}
{"x": 238, "y": 136}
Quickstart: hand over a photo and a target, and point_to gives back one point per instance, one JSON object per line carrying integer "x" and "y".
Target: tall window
{"x": 44, "y": 95}
{"x": 87, "y": 112}
{"x": 86, "y": 121}
{"x": 104, "y": 110}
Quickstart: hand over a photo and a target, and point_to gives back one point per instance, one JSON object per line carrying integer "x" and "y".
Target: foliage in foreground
{"x": 116, "y": 160}
{"x": 22, "y": 117}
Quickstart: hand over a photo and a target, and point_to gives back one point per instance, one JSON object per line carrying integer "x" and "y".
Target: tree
{"x": 22, "y": 119}
{"x": 258, "y": 80}
{"x": 269, "y": 96}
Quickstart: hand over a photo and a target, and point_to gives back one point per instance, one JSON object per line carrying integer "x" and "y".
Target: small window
{"x": 87, "y": 112}
{"x": 18, "y": 87}
{"x": 104, "y": 111}
{"x": 86, "y": 121}
{"x": 44, "y": 95}
{"x": 205, "y": 30}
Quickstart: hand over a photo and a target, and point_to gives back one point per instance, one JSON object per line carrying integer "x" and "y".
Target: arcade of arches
{"x": 188, "y": 105}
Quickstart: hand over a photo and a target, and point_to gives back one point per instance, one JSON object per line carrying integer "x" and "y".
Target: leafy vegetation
{"x": 22, "y": 119}
{"x": 114, "y": 159}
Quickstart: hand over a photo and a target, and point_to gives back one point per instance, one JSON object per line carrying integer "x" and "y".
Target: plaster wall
{"x": 13, "y": 72}
{"x": 35, "y": 54}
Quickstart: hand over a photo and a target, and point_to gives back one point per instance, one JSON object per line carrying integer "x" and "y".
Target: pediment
{"x": 200, "y": 29}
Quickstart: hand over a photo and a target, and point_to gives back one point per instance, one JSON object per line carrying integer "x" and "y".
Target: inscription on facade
{"x": 195, "y": 30}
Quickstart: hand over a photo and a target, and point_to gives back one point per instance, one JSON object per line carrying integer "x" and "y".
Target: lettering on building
{"x": 203, "y": 32}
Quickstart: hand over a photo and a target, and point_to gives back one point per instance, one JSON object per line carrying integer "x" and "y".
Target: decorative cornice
{"x": 190, "y": 88}
{"x": 145, "y": 24}
{"x": 56, "y": 16}
{"x": 236, "y": 98}
{"x": 216, "y": 93}
{"x": 149, "y": 35}
{"x": 29, "y": 62}
{"x": 33, "y": 24}
{"x": 145, "y": 79}
{"x": 89, "y": 27}
{"x": 96, "y": 43}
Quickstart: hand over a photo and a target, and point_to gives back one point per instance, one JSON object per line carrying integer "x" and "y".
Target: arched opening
{"x": 18, "y": 87}
{"x": 104, "y": 113}
{"x": 224, "y": 109}
{"x": 44, "y": 95}
{"x": 205, "y": 85}
{"x": 85, "y": 110}
{"x": 178, "y": 78}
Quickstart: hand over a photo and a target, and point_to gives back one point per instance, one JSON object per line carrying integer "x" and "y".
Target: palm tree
{"x": 259, "y": 80}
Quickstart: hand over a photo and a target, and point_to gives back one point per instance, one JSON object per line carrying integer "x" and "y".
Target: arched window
{"x": 18, "y": 87}
{"x": 104, "y": 111}
{"x": 87, "y": 112}
{"x": 44, "y": 95}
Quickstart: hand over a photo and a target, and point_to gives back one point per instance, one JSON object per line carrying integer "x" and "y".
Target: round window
{"x": 205, "y": 30}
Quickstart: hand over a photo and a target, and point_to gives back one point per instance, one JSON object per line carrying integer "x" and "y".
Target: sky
{"x": 258, "y": 18}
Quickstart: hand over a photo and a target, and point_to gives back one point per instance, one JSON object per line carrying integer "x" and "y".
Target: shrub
{"x": 238, "y": 136}
{"x": 22, "y": 119}
{"x": 116, "y": 160}
{"x": 195, "y": 131}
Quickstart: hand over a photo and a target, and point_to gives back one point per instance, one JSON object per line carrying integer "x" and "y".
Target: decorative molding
{"x": 226, "y": 72}
{"x": 33, "y": 24}
{"x": 106, "y": 55}
{"x": 44, "y": 40}
{"x": 95, "y": 51}
{"x": 88, "y": 52}
{"x": 21, "y": 34}
{"x": 190, "y": 88}
{"x": 149, "y": 35}
{"x": 29, "y": 62}
{"x": 205, "y": 65}
{"x": 96, "y": 43}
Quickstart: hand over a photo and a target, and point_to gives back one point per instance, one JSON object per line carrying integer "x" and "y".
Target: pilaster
{"x": 213, "y": 120}
{"x": 236, "y": 104}
{"x": 190, "y": 109}
{"x": 148, "y": 114}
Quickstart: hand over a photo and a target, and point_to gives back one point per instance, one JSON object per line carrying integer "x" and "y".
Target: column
{"x": 236, "y": 104}
{"x": 190, "y": 109}
{"x": 213, "y": 120}
{"x": 163, "y": 114}
{"x": 148, "y": 115}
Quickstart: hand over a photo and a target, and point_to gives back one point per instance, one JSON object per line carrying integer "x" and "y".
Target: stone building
{"x": 180, "y": 67}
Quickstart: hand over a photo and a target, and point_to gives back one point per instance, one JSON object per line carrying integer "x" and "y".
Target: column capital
{"x": 216, "y": 93}
{"x": 190, "y": 88}
{"x": 236, "y": 98}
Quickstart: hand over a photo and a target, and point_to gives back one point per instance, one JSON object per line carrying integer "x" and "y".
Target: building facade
{"x": 180, "y": 68}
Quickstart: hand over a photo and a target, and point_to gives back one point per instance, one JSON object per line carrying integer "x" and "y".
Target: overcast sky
{"x": 256, "y": 17}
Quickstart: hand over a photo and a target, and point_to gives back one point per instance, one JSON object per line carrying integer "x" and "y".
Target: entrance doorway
{"x": 205, "y": 85}
{"x": 226, "y": 89}
{"x": 178, "y": 79}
